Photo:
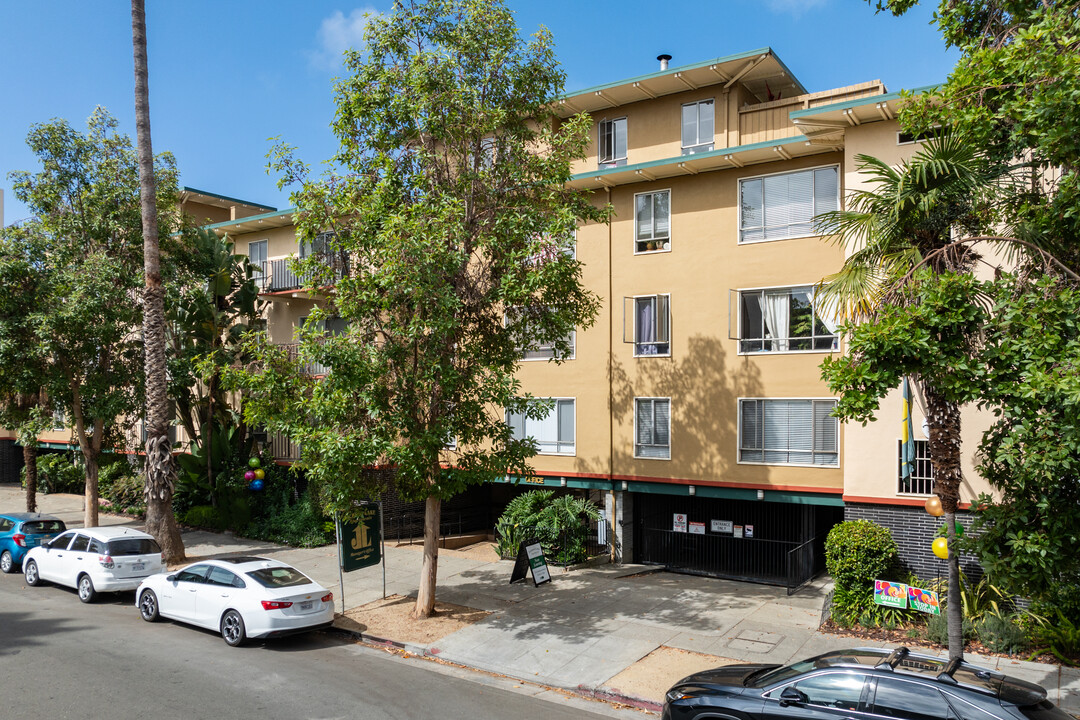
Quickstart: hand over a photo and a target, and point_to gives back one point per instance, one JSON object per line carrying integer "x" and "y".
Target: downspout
{"x": 611, "y": 377}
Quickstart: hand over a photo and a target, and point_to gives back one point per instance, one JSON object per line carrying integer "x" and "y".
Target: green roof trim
{"x": 800, "y": 140}
{"x": 550, "y": 481}
{"x": 859, "y": 102}
{"x": 684, "y": 68}
{"x": 226, "y": 197}
{"x": 264, "y": 216}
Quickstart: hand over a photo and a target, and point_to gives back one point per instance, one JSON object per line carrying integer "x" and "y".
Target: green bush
{"x": 1001, "y": 634}
{"x": 298, "y": 525}
{"x": 1060, "y": 637}
{"x": 557, "y": 522}
{"x": 122, "y": 486}
{"x": 204, "y": 516}
{"x": 857, "y": 552}
{"x": 937, "y": 629}
{"x": 58, "y": 473}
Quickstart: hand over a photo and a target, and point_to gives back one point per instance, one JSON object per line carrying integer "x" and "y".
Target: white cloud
{"x": 795, "y": 8}
{"x": 337, "y": 34}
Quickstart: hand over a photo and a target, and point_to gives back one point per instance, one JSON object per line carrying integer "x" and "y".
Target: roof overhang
{"x": 254, "y": 223}
{"x": 761, "y": 72}
{"x": 222, "y": 201}
{"x": 828, "y": 123}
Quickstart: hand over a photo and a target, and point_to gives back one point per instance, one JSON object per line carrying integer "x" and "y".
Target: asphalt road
{"x": 60, "y": 658}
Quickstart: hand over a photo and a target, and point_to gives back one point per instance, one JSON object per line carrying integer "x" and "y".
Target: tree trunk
{"x": 943, "y": 417}
{"x": 159, "y": 469}
{"x": 90, "y": 512}
{"x": 29, "y": 452}
{"x": 425, "y": 596}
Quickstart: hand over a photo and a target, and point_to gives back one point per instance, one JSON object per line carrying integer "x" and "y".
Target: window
{"x": 652, "y": 325}
{"x": 652, "y": 428}
{"x": 775, "y": 207}
{"x": 921, "y": 482}
{"x": 62, "y": 541}
{"x": 612, "y": 143}
{"x": 652, "y": 221}
{"x": 133, "y": 546}
{"x": 194, "y": 574}
{"x": 697, "y": 127}
{"x": 553, "y": 434}
{"x": 257, "y": 257}
{"x": 788, "y": 432}
{"x": 529, "y": 342}
{"x": 784, "y": 320}
{"x": 279, "y": 577}
{"x": 545, "y": 349}
{"x": 221, "y": 576}
{"x": 909, "y": 701}
{"x": 834, "y": 690}
{"x": 96, "y": 546}
{"x": 6, "y": 525}
{"x": 81, "y": 543}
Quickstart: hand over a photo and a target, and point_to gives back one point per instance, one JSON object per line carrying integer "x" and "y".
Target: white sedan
{"x": 241, "y": 597}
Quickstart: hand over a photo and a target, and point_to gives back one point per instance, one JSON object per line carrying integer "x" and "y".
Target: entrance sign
{"x": 722, "y": 526}
{"x": 359, "y": 546}
{"x": 679, "y": 524}
{"x": 923, "y": 600}
{"x": 697, "y": 528}
{"x": 890, "y": 594}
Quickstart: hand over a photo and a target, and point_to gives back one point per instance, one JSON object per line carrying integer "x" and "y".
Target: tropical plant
{"x": 559, "y": 523}
{"x": 1059, "y": 636}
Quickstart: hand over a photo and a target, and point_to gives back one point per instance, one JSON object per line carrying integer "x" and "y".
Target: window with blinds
{"x": 788, "y": 432}
{"x": 257, "y": 257}
{"x": 776, "y": 207}
{"x": 652, "y": 221}
{"x": 612, "y": 143}
{"x": 652, "y": 428}
{"x": 697, "y": 127}
{"x": 553, "y": 433}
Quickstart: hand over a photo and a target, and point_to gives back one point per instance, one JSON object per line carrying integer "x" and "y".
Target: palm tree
{"x": 159, "y": 468}
{"x": 920, "y": 216}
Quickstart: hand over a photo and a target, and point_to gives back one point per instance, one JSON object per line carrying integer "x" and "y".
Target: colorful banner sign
{"x": 924, "y": 600}
{"x": 891, "y": 594}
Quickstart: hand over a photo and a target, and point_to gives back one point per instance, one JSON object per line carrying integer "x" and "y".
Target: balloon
{"x": 944, "y": 529}
{"x": 941, "y": 548}
{"x": 256, "y": 485}
{"x": 959, "y": 530}
{"x": 933, "y": 506}
{"x": 260, "y": 474}
{"x": 253, "y": 462}
{"x": 249, "y": 475}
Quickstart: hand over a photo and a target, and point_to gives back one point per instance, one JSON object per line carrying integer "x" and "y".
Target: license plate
{"x": 307, "y": 605}
{"x": 137, "y": 566}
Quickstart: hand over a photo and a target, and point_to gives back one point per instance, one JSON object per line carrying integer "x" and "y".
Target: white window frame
{"x": 665, "y": 239}
{"x": 548, "y": 347}
{"x": 739, "y": 436}
{"x": 260, "y": 276}
{"x": 923, "y": 462}
{"x": 554, "y": 409}
{"x": 634, "y": 325}
{"x": 699, "y": 146}
{"x": 739, "y": 325}
{"x": 839, "y": 194}
{"x": 646, "y": 457}
{"x": 615, "y": 160}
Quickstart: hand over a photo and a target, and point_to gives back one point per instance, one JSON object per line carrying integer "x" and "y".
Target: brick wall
{"x": 914, "y": 530}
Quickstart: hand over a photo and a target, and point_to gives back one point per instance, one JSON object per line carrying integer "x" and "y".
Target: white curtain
{"x": 777, "y": 313}
{"x": 824, "y": 313}
{"x": 646, "y": 335}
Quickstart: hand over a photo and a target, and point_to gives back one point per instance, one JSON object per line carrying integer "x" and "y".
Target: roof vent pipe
{"x": 663, "y": 61}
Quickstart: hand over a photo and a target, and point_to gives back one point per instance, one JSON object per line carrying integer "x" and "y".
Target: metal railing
{"x": 308, "y": 368}
{"x": 278, "y": 275}
{"x": 283, "y": 448}
{"x": 410, "y": 525}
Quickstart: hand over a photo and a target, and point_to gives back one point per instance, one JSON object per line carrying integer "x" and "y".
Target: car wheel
{"x": 148, "y": 606}
{"x": 6, "y": 563}
{"x": 30, "y": 573}
{"x": 86, "y": 589}
{"x": 232, "y": 628}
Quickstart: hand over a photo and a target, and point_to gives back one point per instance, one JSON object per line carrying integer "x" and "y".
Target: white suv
{"x": 93, "y": 560}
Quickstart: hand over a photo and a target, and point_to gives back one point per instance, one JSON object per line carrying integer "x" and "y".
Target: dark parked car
{"x": 860, "y": 684}
{"x": 21, "y": 531}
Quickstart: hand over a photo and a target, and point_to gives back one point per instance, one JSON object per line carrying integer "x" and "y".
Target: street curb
{"x": 602, "y": 694}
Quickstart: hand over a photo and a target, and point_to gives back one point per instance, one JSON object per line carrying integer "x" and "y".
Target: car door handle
{"x": 191, "y": 589}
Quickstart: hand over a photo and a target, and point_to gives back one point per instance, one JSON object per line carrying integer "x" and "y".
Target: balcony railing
{"x": 278, "y": 275}
{"x": 308, "y": 368}
{"x": 283, "y": 448}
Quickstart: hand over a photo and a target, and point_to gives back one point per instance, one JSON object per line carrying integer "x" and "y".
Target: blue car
{"x": 21, "y": 531}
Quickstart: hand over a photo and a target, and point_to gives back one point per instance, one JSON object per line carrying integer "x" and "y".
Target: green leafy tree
{"x": 449, "y": 199}
{"x": 86, "y": 240}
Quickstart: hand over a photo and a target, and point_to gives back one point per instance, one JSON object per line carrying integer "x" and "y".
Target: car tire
{"x": 7, "y": 563}
{"x": 148, "y": 606}
{"x": 30, "y": 573}
{"x": 232, "y": 628}
{"x": 86, "y": 589}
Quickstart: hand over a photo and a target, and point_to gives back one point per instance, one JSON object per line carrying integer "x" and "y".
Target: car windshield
{"x": 133, "y": 546}
{"x": 42, "y": 527}
{"x": 277, "y": 577}
{"x": 780, "y": 674}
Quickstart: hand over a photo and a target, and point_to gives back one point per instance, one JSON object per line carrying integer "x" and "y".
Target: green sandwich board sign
{"x": 360, "y": 542}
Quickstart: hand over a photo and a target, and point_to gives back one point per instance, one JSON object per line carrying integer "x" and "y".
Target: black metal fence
{"x": 568, "y": 546}
{"x": 410, "y": 525}
{"x": 278, "y": 275}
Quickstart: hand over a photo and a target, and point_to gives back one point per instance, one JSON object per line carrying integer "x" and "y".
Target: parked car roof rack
{"x": 894, "y": 658}
{"x": 951, "y": 667}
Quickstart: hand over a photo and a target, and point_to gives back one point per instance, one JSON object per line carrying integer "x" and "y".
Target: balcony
{"x": 768, "y": 121}
{"x": 315, "y": 369}
{"x": 278, "y": 276}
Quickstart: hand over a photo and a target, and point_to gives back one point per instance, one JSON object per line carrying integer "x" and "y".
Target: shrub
{"x": 937, "y": 630}
{"x": 1059, "y": 637}
{"x": 204, "y": 516}
{"x": 557, "y": 522}
{"x": 1001, "y": 634}
{"x": 299, "y": 525}
{"x": 58, "y": 473}
{"x": 857, "y": 552}
{"x": 122, "y": 486}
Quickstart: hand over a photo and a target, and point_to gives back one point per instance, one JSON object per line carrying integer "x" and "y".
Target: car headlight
{"x": 677, "y": 694}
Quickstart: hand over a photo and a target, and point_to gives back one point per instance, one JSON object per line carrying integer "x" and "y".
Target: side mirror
{"x": 171, "y": 578}
{"x": 792, "y": 696}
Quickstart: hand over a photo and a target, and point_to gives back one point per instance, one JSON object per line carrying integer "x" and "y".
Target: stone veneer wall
{"x": 914, "y": 530}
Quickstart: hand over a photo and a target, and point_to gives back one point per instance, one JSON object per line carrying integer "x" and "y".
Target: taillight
{"x": 275, "y": 605}
{"x": 162, "y": 559}
{"x": 328, "y": 597}
{"x": 19, "y": 539}
{"x": 106, "y": 561}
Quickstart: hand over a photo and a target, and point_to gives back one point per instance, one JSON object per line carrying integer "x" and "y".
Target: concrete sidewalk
{"x": 585, "y": 627}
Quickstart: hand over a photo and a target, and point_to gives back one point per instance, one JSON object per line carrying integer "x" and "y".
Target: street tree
{"x": 159, "y": 469}
{"x": 86, "y": 243}
{"x": 447, "y": 230}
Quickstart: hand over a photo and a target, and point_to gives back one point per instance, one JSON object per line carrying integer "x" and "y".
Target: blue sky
{"x": 226, "y": 75}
